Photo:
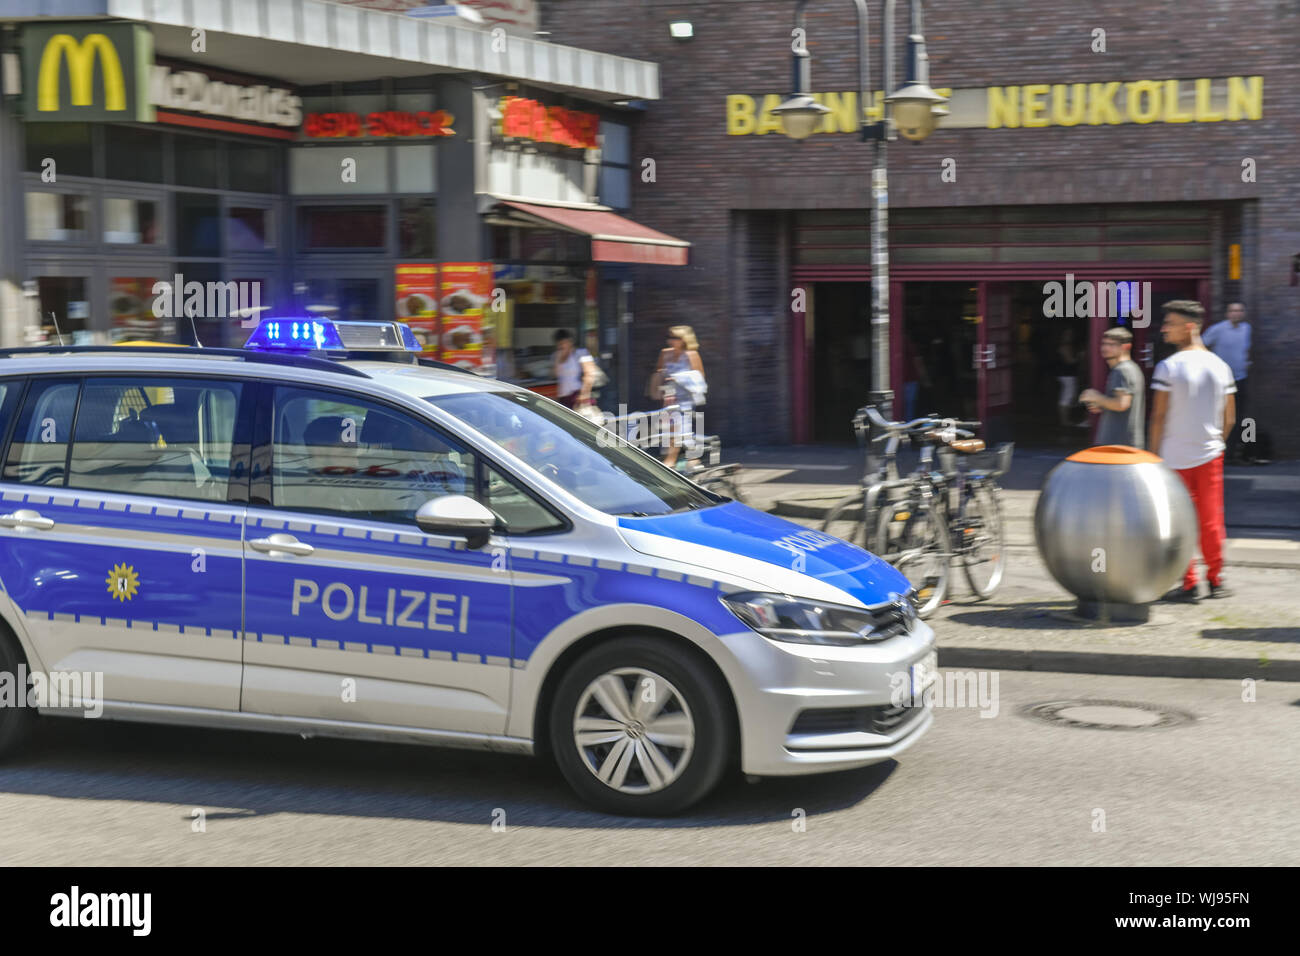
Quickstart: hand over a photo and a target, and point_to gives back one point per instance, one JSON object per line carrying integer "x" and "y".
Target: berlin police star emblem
{"x": 123, "y": 582}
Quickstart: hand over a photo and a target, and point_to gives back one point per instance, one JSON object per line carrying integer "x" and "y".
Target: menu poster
{"x": 417, "y": 303}
{"x": 130, "y": 307}
{"x": 465, "y": 297}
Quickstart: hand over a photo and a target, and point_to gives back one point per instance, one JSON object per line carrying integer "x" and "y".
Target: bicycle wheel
{"x": 846, "y": 521}
{"x": 913, "y": 538}
{"x": 981, "y": 545}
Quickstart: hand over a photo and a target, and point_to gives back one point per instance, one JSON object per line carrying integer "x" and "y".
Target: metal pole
{"x": 801, "y": 66}
{"x": 882, "y": 396}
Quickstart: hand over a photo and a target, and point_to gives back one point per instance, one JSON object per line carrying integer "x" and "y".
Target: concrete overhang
{"x": 307, "y": 42}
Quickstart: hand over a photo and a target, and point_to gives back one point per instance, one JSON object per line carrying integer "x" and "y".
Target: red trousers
{"x": 1205, "y": 485}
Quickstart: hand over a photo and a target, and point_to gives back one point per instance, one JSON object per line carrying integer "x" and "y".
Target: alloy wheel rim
{"x": 633, "y": 730}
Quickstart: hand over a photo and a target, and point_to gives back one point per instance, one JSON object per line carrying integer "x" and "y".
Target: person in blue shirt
{"x": 1230, "y": 341}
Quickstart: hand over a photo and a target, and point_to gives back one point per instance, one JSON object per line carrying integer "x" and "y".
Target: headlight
{"x": 784, "y": 618}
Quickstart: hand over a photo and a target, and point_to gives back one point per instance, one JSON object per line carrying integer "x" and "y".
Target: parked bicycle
{"x": 946, "y": 509}
{"x": 702, "y": 458}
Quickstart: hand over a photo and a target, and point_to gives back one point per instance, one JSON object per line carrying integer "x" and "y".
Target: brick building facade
{"x": 1147, "y": 182}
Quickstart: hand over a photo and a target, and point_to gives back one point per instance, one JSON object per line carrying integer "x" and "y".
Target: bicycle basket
{"x": 992, "y": 463}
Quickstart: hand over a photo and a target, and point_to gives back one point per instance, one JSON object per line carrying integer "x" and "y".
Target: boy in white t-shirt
{"x": 1194, "y": 408}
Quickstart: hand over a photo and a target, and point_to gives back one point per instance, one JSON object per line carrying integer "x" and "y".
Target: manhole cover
{"x": 1107, "y": 714}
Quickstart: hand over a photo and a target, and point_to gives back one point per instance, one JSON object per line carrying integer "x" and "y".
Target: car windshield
{"x": 589, "y": 462}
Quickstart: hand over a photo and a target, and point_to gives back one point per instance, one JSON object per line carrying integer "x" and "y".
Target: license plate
{"x": 924, "y": 673}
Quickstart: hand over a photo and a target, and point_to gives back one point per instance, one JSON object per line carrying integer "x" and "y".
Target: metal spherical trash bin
{"x": 1116, "y": 528}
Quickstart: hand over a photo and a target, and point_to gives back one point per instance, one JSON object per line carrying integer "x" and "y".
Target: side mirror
{"x": 459, "y": 516}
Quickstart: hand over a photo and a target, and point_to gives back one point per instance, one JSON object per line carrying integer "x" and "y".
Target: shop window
{"x": 416, "y": 228}
{"x": 1156, "y": 211}
{"x": 197, "y": 161}
{"x": 925, "y": 254}
{"x": 133, "y": 154}
{"x": 131, "y": 221}
{"x": 252, "y": 168}
{"x": 1050, "y": 213}
{"x": 852, "y": 237}
{"x": 1052, "y": 234}
{"x": 413, "y": 102}
{"x": 342, "y": 227}
{"x": 352, "y": 299}
{"x": 198, "y": 224}
{"x": 505, "y": 243}
{"x": 320, "y": 169}
{"x": 416, "y": 165}
{"x": 65, "y": 309}
{"x": 907, "y": 217}
{"x": 199, "y": 322}
{"x": 68, "y": 144}
{"x": 57, "y": 217}
{"x": 1166, "y": 232}
{"x": 250, "y": 228}
{"x": 1170, "y": 251}
{"x": 1050, "y": 254}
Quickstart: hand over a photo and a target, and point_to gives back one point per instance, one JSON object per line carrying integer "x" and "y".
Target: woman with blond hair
{"x": 680, "y": 376}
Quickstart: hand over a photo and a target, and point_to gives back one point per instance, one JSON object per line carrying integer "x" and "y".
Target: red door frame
{"x": 800, "y": 359}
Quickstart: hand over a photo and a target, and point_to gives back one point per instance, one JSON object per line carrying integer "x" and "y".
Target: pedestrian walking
{"x": 680, "y": 377}
{"x": 1122, "y": 406}
{"x": 599, "y": 378}
{"x": 1230, "y": 341}
{"x": 1193, "y": 407}
{"x": 575, "y": 370}
{"x": 1065, "y": 366}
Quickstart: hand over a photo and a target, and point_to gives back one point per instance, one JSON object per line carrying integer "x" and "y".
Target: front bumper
{"x": 784, "y": 681}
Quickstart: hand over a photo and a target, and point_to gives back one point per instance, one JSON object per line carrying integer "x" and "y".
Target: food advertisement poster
{"x": 417, "y": 303}
{"x": 465, "y": 296}
{"x": 130, "y": 306}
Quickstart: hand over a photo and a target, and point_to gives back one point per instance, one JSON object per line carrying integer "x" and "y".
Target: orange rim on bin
{"x": 1114, "y": 455}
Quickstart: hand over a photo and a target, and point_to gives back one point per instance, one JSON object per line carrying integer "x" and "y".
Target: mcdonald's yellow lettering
{"x": 81, "y": 72}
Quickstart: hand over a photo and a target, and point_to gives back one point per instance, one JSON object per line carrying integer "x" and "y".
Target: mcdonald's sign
{"x": 92, "y": 71}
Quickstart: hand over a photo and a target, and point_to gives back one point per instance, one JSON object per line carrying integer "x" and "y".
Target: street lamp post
{"x": 916, "y": 110}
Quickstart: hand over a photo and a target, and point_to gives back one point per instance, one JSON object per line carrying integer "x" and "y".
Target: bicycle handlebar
{"x": 870, "y": 414}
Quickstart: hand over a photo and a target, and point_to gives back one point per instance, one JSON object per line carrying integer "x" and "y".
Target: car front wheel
{"x": 639, "y": 728}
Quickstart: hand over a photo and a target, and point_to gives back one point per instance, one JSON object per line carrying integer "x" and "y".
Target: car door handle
{"x": 281, "y": 544}
{"x": 26, "y": 518}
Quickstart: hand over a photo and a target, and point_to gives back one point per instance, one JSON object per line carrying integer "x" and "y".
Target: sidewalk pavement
{"x": 1029, "y": 623}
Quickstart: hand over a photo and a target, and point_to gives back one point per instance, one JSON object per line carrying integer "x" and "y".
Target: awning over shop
{"x": 613, "y": 238}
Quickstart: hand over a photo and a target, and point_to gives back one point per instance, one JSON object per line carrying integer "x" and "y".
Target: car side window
{"x": 517, "y": 511}
{"x": 38, "y": 452}
{"x": 153, "y": 435}
{"x": 338, "y": 454}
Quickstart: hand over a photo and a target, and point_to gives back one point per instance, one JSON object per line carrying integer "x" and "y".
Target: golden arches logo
{"x": 81, "y": 72}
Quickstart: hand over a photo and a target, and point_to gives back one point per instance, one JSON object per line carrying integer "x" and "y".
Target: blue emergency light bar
{"x": 295, "y": 334}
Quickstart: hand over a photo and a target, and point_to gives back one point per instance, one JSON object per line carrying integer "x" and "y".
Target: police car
{"x": 321, "y": 534}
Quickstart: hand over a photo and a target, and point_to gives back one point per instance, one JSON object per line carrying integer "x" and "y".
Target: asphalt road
{"x": 1219, "y": 789}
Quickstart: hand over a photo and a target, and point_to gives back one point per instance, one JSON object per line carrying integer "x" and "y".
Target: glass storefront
{"x": 130, "y": 208}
